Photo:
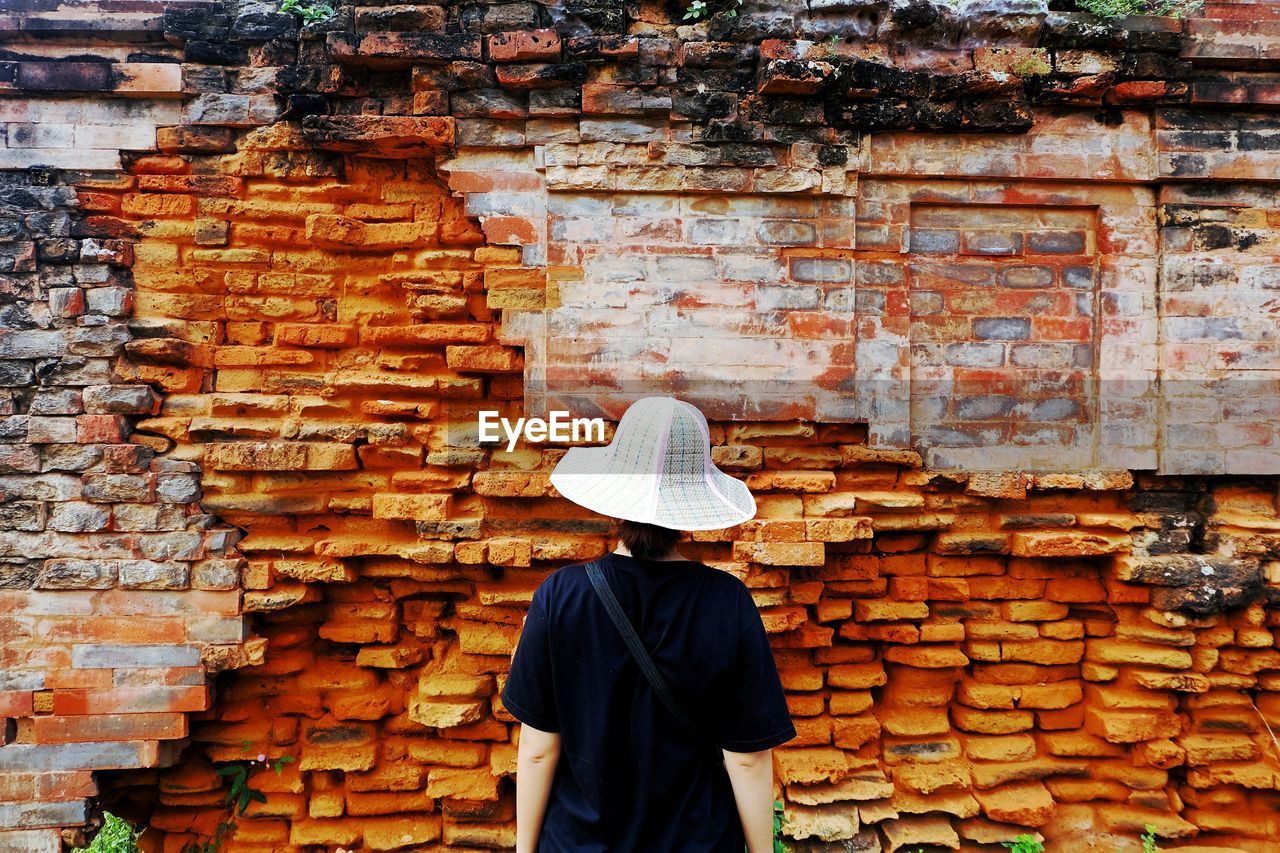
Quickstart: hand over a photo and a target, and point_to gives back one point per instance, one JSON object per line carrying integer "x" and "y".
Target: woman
{"x": 603, "y": 763}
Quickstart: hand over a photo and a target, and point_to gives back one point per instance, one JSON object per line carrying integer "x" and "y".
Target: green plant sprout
{"x": 698, "y": 9}
{"x": 310, "y": 12}
{"x": 238, "y": 796}
{"x": 779, "y": 820}
{"x": 1149, "y": 840}
{"x": 1024, "y": 844}
{"x": 115, "y": 836}
{"x": 1124, "y": 8}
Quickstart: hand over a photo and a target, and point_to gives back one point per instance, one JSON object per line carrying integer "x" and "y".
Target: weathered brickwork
{"x": 120, "y": 593}
{"x": 979, "y": 306}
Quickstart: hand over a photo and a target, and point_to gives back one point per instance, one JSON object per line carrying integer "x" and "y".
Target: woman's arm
{"x": 751, "y": 774}
{"x": 536, "y": 758}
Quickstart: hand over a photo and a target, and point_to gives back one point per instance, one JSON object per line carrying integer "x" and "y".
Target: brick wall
{"x": 983, "y": 322}
{"x": 120, "y": 592}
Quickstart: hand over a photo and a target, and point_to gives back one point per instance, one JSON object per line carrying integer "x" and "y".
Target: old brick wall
{"x": 120, "y": 593}
{"x": 979, "y": 307}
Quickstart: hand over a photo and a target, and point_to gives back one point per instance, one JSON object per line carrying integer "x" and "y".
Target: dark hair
{"x": 647, "y": 541}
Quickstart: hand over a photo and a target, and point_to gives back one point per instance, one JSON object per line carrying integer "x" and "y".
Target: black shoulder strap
{"x": 637, "y": 647}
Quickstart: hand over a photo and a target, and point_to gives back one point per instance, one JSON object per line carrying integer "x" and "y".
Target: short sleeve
{"x": 755, "y": 716}
{"x": 528, "y": 694}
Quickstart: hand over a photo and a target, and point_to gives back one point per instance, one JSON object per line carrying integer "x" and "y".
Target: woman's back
{"x": 629, "y": 777}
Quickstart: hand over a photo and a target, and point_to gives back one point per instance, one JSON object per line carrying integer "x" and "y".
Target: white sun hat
{"x": 657, "y": 470}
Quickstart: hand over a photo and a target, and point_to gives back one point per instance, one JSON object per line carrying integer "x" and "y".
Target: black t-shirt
{"x": 629, "y": 777}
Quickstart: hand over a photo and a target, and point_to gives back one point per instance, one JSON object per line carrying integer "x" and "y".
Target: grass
{"x": 311, "y": 11}
{"x": 115, "y": 836}
{"x": 1124, "y": 8}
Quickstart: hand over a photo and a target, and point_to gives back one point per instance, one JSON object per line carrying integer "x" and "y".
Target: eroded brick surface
{"x": 278, "y": 319}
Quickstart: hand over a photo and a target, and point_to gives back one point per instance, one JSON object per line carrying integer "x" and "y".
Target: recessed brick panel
{"x": 646, "y": 280}
{"x": 1002, "y": 331}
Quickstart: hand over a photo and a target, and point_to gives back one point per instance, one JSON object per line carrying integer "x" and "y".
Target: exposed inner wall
{"x": 289, "y": 323}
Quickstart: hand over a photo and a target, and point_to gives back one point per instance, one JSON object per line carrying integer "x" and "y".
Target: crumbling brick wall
{"x": 989, "y": 304}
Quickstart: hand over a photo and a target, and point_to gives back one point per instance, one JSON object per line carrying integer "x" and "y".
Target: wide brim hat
{"x": 657, "y": 470}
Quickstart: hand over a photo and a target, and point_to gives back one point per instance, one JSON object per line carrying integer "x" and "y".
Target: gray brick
{"x": 879, "y": 273}
{"x": 113, "y": 655}
{"x": 622, "y": 130}
{"x": 713, "y": 231}
{"x": 71, "y": 457}
{"x": 1182, "y": 461}
{"x": 22, "y": 515}
{"x": 1056, "y": 409}
{"x": 111, "y": 301}
{"x": 216, "y": 574}
{"x": 1056, "y": 242}
{"x": 120, "y": 400}
{"x": 818, "y": 270}
{"x": 48, "y": 813}
{"x": 784, "y": 233}
{"x": 113, "y": 488}
{"x": 1002, "y": 328}
{"x": 984, "y": 407}
{"x": 943, "y": 436}
{"x": 77, "y": 574}
{"x": 219, "y": 109}
{"x": 180, "y": 545}
{"x": 1201, "y": 328}
{"x": 47, "y": 758}
{"x": 578, "y": 206}
{"x": 988, "y": 243}
{"x": 78, "y": 517}
{"x": 151, "y": 517}
{"x": 31, "y": 841}
{"x": 14, "y": 374}
{"x": 13, "y": 428}
{"x": 840, "y": 300}
{"x": 56, "y": 401}
{"x": 46, "y": 487}
{"x": 152, "y": 574}
{"x": 1026, "y": 276}
{"x": 771, "y": 297}
{"x": 104, "y": 340}
{"x": 974, "y": 355}
{"x": 51, "y": 430}
{"x": 18, "y": 459}
{"x": 934, "y": 242}
{"x": 28, "y": 343}
{"x": 869, "y": 302}
{"x": 19, "y": 573}
{"x": 16, "y": 679}
{"x": 1042, "y": 355}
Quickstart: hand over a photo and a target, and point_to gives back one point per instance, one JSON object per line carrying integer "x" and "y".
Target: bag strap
{"x": 637, "y": 649}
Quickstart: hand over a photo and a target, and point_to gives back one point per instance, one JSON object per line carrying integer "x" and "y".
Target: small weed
{"x": 699, "y": 9}
{"x": 115, "y": 836}
{"x": 312, "y": 11}
{"x": 1024, "y": 844}
{"x": 779, "y": 820}
{"x": 238, "y": 796}
{"x": 1149, "y": 840}
{"x": 1124, "y": 8}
